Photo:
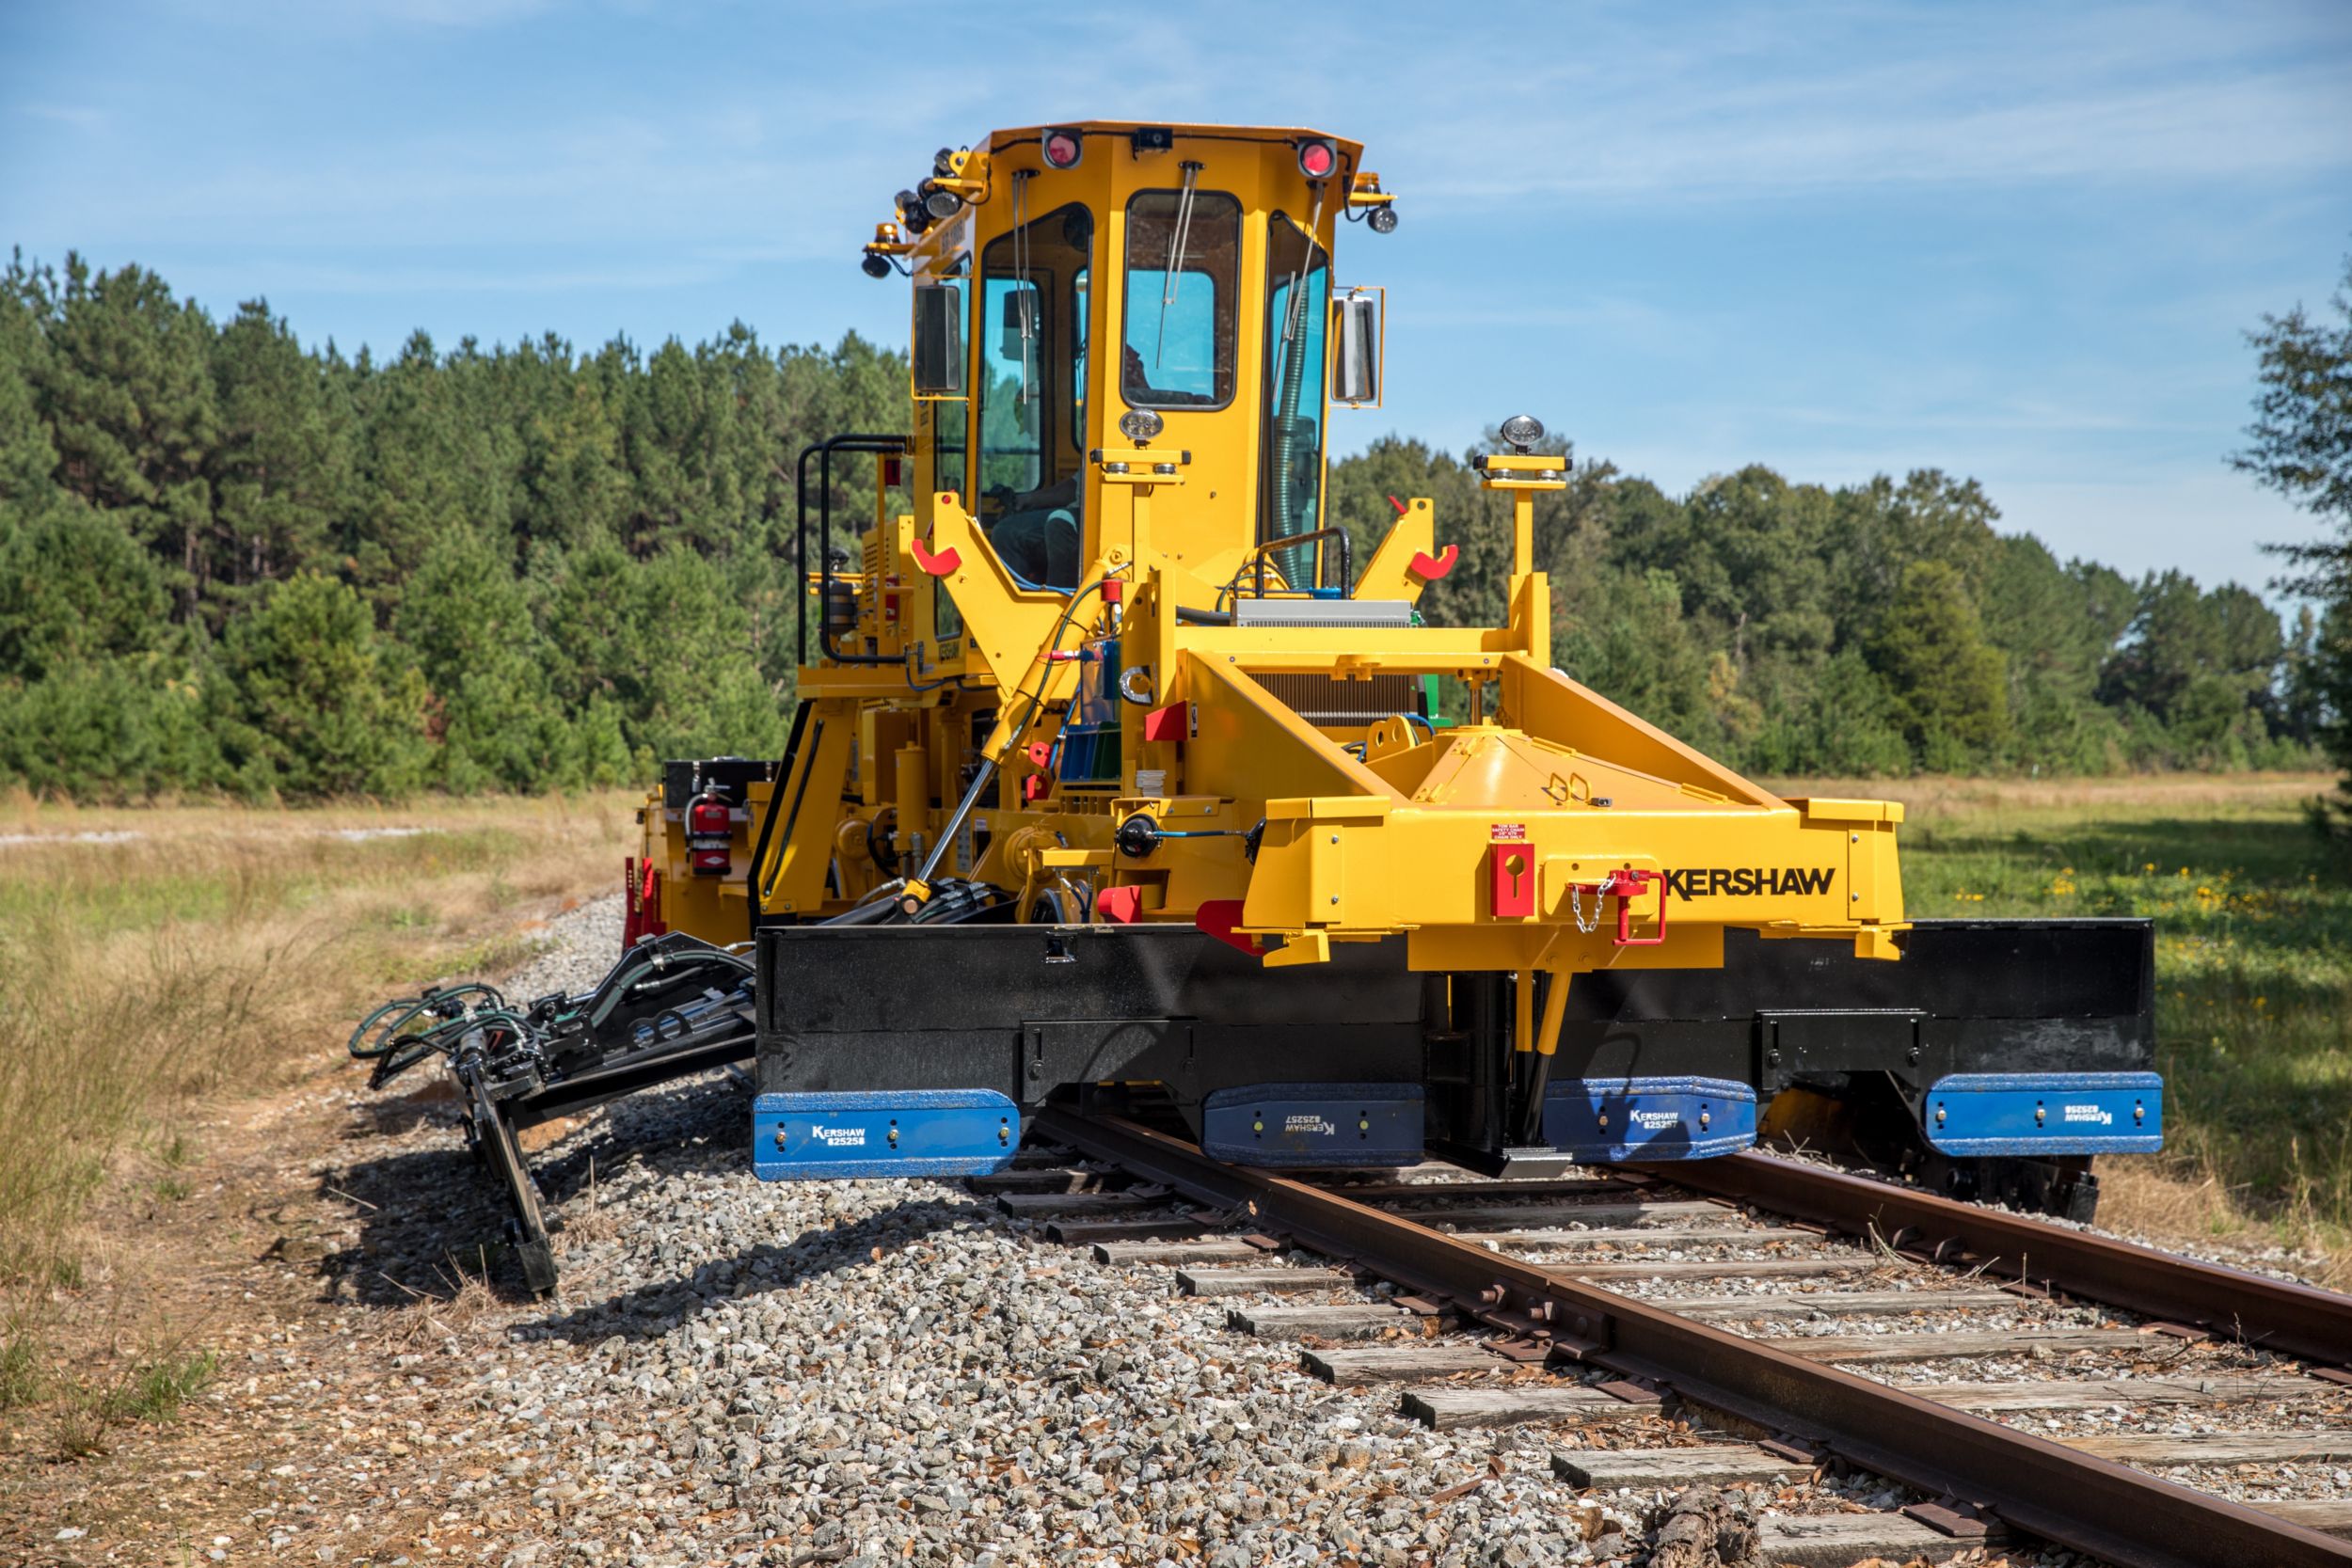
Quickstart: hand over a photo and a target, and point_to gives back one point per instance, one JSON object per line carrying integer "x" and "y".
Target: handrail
{"x": 862, "y": 441}
{"x": 1348, "y": 564}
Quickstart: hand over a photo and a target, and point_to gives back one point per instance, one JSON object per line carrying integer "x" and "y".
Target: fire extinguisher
{"x": 709, "y": 830}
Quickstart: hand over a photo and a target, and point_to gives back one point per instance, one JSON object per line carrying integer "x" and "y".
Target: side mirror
{"x": 1356, "y": 376}
{"x": 939, "y": 340}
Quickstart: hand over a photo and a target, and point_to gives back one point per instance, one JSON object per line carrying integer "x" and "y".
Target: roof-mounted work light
{"x": 1522, "y": 431}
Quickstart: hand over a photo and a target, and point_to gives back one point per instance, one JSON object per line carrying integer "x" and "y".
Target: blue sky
{"x": 2017, "y": 242}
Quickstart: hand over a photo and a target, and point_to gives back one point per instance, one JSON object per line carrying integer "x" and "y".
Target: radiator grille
{"x": 1323, "y": 700}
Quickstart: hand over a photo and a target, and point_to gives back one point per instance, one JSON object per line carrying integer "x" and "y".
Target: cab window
{"x": 947, "y": 416}
{"x": 1183, "y": 258}
{"x": 1032, "y": 325}
{"x": 1298, "y": 307}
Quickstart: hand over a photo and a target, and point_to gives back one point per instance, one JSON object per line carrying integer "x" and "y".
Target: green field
{"x": 2254, "y": 972}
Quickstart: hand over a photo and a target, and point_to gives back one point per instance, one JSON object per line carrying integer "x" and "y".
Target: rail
{"x": 2229, "y": 1304}
{"x": 2037, "y": 1486}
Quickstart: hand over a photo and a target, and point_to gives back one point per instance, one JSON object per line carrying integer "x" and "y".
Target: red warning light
{"x": 1317, "y": 159}
{"x": 1062, "y": 148}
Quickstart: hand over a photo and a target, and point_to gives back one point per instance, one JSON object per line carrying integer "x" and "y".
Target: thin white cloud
{"x": 80, "y": 117}
{"x": 1829, "y": 96}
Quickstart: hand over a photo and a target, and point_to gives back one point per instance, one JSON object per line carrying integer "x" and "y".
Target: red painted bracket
{"x": 1429, "y": 568}
{"x": 1039, "y": 783}
{"x": 937, "y": 566}
{"x": 642, "y": 916}
{"x": 1218, "y": 916}
{"x": 1172, "y": 723}
{"x": 1119, "y": 905}
{"x": 1511, "y": 870}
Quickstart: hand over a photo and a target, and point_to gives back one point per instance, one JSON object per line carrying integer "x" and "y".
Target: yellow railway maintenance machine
{"x": 1115, "y": 777}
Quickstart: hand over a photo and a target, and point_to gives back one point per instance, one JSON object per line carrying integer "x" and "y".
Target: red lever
{"x": 1429, "y": 568}
{"x": 1401, "y": 507}
{"x": 937, "y": 566}
{"x": 1627, "y": 885}
{"x": 1119, "y": 905}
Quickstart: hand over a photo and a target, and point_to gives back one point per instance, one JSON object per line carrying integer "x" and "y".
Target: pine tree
{"x": 74, "y": 588}
{"x": 1950, "y": 684}
{"x": 466, "y": 622}
{"x": 29, "y": 459}
{"x": 282, "y": 469}
{"x": 307, "y": 704}
{"x": 127, "y": 391}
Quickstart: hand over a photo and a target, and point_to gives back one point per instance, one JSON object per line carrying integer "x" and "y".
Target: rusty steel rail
{"x": 2039, "y": 1487}
{"x": 2228, "y": 1304}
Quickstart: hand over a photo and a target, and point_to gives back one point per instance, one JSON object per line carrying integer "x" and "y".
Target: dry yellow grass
{"x": 1932, "y": 797}
{"x": 151, "y": 957}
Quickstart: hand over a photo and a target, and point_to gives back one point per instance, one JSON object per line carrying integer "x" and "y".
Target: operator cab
{"x": 1204, "y": 253}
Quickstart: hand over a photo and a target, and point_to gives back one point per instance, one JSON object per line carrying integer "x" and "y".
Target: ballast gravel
{"x": 880, "y": 1372}
{"x": 886, "y": 1371}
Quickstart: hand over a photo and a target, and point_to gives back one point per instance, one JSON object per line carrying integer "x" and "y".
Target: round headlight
{"x": 1382, "y": 218}
{"x": 1141, "y": 424}
{"x": 876, "y": 264}
{"x": 942, "y": 204}
{"x": 1522, "y": 430}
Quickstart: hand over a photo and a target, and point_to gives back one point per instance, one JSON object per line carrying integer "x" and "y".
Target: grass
{"x": 220, "y": 947}
{"x": 149, "y": 1388}
{"x": 152, "y": 962}
{"x": 2253, "y": 963}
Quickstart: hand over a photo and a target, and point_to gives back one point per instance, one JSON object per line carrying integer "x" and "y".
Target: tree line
{"x": 230, "y": 564}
